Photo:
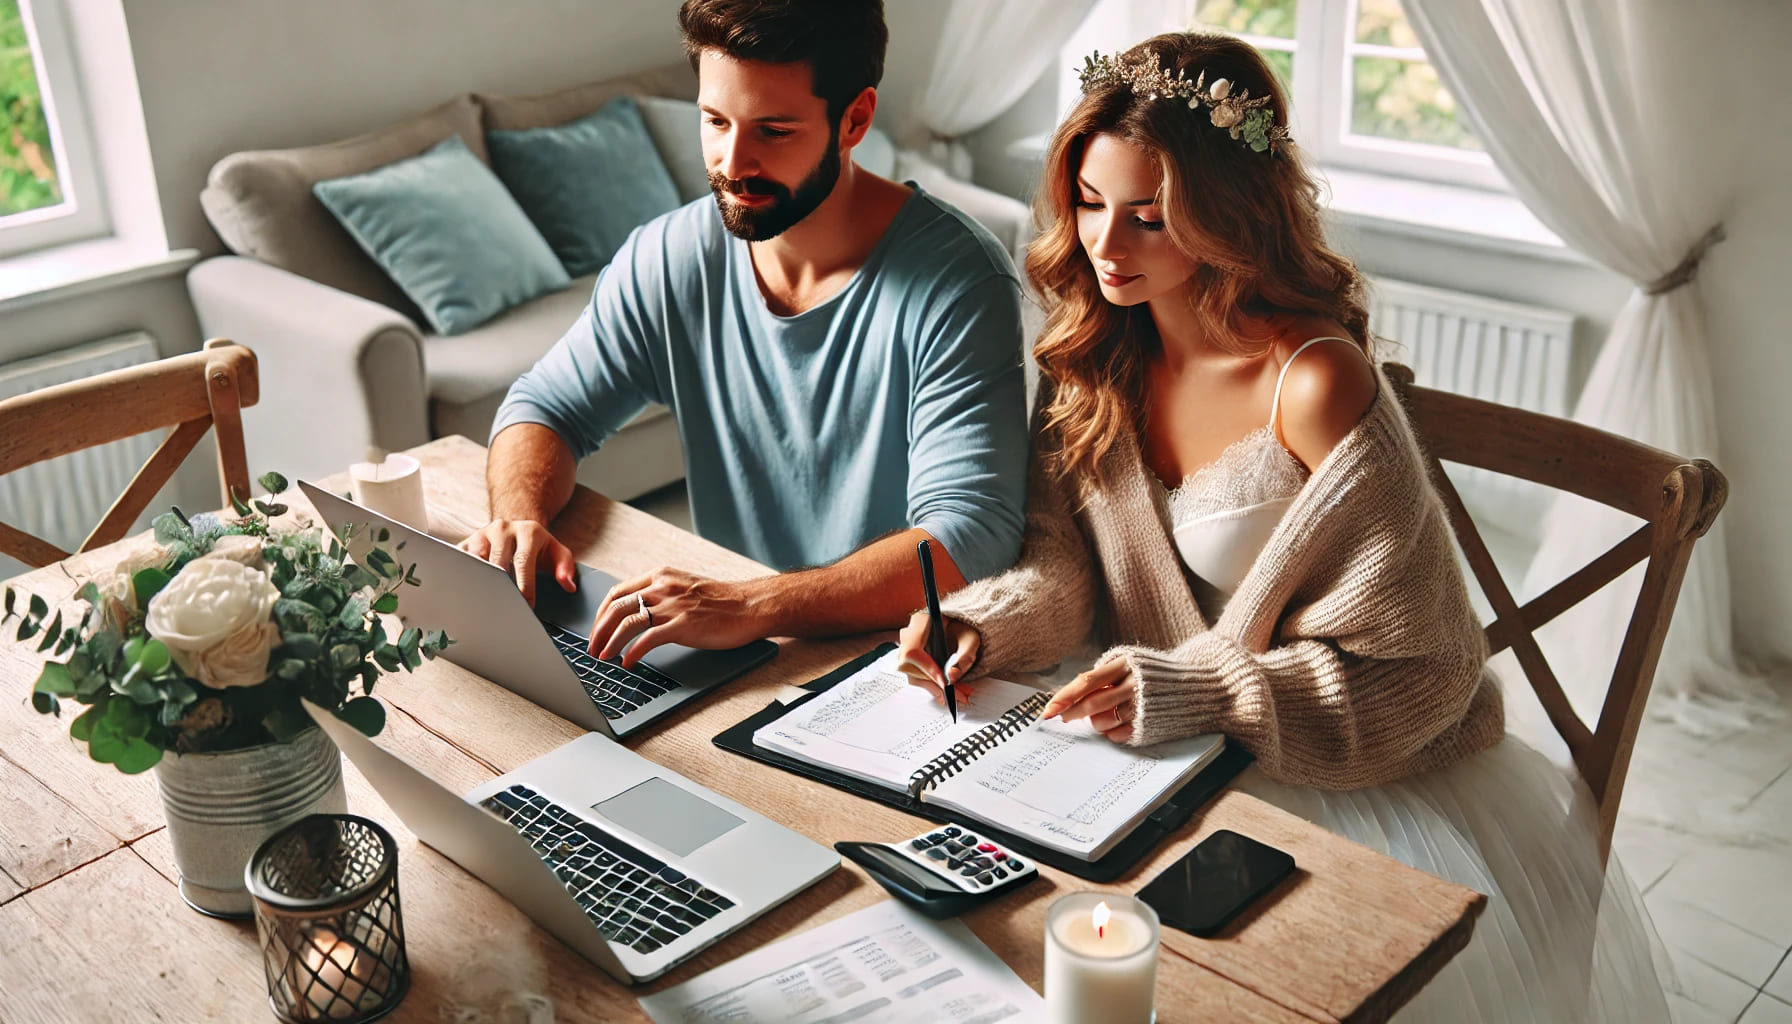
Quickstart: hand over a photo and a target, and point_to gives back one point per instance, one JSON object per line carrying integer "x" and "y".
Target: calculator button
{"x": 986, "y": 847}
{"x": 936, "y": 853}
{"x": 998, "y": 872}
{"x": 999, "y": 855}
{"x": 1016, "y": 866}
{"x": 938, "y": 837}
{"x": 920, "y": 844}
{"x": 986, "y": 878}
{"x": 951, "y": 830}
{"x": 971, "y": 872}
{"x": 983, "y": 863}
{"x": 968, "y": 838}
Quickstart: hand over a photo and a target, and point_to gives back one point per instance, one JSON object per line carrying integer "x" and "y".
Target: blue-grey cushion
{"x": 586, "y": 184}
{"x": 675, "y": 126}
{"x": 442, "y": 226}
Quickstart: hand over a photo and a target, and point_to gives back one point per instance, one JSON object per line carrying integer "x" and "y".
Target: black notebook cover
{"x": 1129, "y": 851}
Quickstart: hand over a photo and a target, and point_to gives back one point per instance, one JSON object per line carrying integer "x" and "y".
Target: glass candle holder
{"x": 326, "y": 909}
{"x": 1100, "y": 959}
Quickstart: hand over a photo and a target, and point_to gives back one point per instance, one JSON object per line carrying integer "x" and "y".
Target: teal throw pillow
{"x": 586, "y": 184}
{"x": 442, "y": 226}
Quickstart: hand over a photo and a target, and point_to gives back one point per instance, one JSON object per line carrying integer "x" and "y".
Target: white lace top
{"x": 1222, "y": 514}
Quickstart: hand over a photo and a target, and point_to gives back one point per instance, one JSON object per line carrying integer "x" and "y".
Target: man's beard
{"x": 787, "y": 208}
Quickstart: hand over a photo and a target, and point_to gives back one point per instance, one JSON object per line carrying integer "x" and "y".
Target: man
{"x": 842, "y": 354}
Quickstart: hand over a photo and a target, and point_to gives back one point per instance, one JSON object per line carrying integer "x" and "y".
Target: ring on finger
{"x": 641, "y": 603}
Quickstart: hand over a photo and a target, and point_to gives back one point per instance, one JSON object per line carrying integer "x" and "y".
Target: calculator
{"x": 944, "y": 872}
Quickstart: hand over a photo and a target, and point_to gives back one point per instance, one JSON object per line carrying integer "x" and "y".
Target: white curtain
{"x": 1556, "y": 90}
{"x": 989, "y": 53}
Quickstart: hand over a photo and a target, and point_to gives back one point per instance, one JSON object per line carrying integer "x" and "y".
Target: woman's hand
{"x": 1103, "y": 695}
{"x": 914, "y": 661}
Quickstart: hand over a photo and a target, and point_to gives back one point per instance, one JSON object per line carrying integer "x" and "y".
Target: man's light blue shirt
{"x": 898, "y": 402}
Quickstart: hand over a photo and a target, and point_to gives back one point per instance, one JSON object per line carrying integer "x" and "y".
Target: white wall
{"x": 1723, "y": 84}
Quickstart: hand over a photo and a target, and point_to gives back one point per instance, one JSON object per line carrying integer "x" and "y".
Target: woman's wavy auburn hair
{"x": 1249, "y": 220}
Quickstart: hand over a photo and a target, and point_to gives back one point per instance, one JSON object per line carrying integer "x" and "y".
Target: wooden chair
{"x": 1677, "y": 498}
{"x": 187, "y": 392}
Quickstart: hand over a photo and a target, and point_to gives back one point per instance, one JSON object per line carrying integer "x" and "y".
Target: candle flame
{"x": 1100, "y": 919}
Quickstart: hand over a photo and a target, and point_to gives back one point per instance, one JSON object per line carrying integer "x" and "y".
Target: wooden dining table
{"x": 92, "y": 927}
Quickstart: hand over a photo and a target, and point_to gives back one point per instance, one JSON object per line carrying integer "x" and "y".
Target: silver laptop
{"x": 634, "y": 866}
{"x": 539, "y": 652}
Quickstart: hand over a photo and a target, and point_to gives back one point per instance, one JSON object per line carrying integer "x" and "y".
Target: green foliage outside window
{"x": 28, "y": 178}
{"x": 1392, "y": 97}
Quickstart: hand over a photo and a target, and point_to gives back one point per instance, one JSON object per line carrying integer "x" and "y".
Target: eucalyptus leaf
{"x": 147, "y": 583}
{"x": 272, "y": 482}
{"x": 154, "y": 658}
{"x": 345, "y": 656}
{"x": 290, "y": 612}
{"x": 171, "y": 713}
{"x": 106, "y": 749}
{"x": 11, "y": 598}
{"x": 138, "y": 755}
{"x": 237, "y": 506}
{"x": 180, "y": 692}
{"x": 89, "y": 592}
{"x": 386, "y": 604}
{"x": 123, "y": 719}
{"x": 51, "y": 635}
{"x": 301, "y": 645}
{"x": 55, "y": 680}
{"x": 27, "y": 629}
{"x": 364, "y": 713}
{"x": 387, "y": 658}
{"x": 139, "y": 691}
{"x": 45, "y": 704}
{"x": 103, "y": 647}
{"x": 39, "y": 608}
{"x": 82, "y": 727}
{"x": 170, "y": 528}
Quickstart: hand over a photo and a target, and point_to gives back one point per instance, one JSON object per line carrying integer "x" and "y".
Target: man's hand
{"x": 673, "y": 606}
{"x": 913, "y": 661}
{"x": 515, "y": 545}
{"x": 1103, "y": 695}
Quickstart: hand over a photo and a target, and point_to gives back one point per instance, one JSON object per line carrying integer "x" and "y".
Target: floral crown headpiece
{"x": 1245, "y": 119}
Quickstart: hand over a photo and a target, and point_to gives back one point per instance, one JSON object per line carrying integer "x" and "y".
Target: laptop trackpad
{"x": 668, "y": 815}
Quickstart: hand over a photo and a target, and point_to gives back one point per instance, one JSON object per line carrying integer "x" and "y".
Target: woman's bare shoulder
{"x": 1325, "y": 393}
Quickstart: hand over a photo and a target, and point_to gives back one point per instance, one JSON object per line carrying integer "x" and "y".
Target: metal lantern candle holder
{"x": 326, "y": 909}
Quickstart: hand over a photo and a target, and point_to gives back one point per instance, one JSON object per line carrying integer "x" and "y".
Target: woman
{"x": 1226, "y": 492}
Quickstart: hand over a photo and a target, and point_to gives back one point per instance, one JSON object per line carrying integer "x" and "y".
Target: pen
{"x": 936, "y": 630}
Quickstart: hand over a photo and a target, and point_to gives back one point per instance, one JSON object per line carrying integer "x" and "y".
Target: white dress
{"x": 1560, "y": 939}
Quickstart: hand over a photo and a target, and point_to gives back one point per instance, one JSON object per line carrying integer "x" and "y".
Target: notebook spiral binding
{"x": 962, "y": 753}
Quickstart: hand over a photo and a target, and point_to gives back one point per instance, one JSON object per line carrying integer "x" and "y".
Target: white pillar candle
{"x": 391, "y": 485}
{"x": 1100, "y": 959}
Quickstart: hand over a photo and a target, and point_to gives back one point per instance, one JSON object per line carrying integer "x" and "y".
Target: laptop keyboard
{"x": 616, "y": 690}
{"x": 635, "y": 900}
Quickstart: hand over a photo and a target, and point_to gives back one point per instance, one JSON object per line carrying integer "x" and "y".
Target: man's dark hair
{"x": 842, "y": 41}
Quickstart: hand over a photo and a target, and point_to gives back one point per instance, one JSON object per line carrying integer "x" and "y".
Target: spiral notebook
{"x": 1059, "y": 785}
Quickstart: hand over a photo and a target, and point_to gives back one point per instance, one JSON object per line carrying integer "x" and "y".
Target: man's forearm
{"x": 529, "y": 473}
{"x": 875, "y": 587}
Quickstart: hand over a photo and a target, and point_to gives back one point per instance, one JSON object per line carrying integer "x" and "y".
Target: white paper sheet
{"x": 885, "y": 964}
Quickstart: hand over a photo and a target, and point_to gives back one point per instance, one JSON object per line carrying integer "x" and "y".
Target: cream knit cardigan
{"x": 1349, "y": 656}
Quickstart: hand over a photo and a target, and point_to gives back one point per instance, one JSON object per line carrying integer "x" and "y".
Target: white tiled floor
{"x": 1705, "y": 831}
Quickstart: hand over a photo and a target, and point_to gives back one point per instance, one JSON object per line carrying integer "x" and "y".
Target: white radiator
{"x": 63, "y": 499}
{"x": 1500, "y": 351}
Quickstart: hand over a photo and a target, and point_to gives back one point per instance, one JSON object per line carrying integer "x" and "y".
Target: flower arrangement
{"x": 205, "y": 639}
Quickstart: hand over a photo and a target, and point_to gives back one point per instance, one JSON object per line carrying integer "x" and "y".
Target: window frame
{"x": 1324, "y": 45}
{"x": 82, "y": 214}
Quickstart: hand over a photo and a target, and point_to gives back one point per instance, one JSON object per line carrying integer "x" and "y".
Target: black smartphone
{"x": 1212, "y": 883}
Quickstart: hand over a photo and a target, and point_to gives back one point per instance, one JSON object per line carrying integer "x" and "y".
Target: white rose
{"x": 206, "y": 603}
{"x": 237, "y": 547}
{"x": 241, "y": 660}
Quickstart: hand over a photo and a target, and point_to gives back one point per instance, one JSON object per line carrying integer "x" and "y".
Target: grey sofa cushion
{"x": 489, "y": 357}
{"x": 516, "y": 113}
{"x": 261, "y": 205}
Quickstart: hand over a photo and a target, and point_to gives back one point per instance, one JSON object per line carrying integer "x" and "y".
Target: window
{"x": 1363, "y": 95}
{"x": 49, "y": 189}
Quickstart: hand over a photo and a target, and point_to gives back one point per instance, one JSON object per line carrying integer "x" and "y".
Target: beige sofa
{"x": 344, "y": 361}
